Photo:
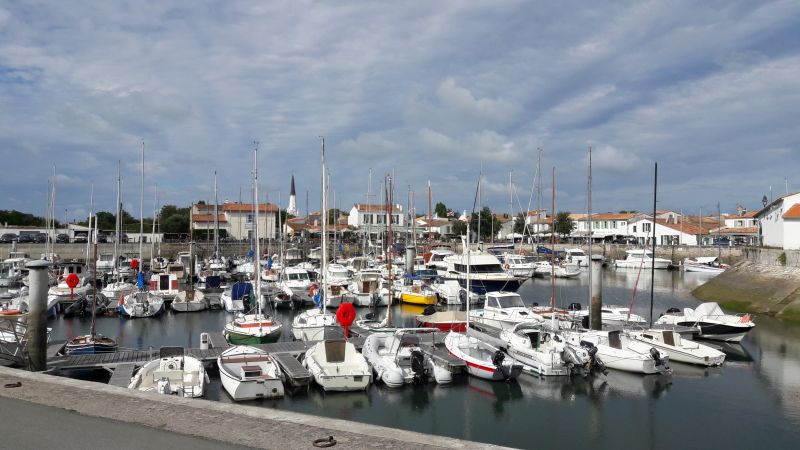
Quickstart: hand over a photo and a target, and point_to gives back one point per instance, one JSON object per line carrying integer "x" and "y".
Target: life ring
{"x": 346, "y": 314}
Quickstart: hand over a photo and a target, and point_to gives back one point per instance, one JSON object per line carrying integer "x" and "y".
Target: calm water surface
{"x": 753, "y": 401}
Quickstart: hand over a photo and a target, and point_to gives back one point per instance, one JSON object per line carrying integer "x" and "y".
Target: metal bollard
{"x": 37, "y": 315}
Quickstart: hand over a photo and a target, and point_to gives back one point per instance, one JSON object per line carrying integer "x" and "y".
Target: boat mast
{"x": 719, "y": 236}
{"x": 153, "y": 233}
{"x": 653, "y": 258}
{"x": 94, "y": 265}
{"x": 141, "y": 213}
{"x": 324, "y": 233}
{"x": 553, "y": 254}
{"x": 430, "y": 217}
{"x": 589, "y": 263}
{"x": 216, "y": 217}
{"x": 538, "y": 201}
{"x": 389, "y": 187}
{"x": 115, "y": 273}
{"x": 257, "y": 265}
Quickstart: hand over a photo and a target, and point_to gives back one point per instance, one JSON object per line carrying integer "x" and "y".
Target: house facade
{"x": 604, "y": 225}
{"x": 362, "y": 215}
{"x": 779, "y": 223}
{"x": 237, "y": 220}
{"x": 666, "y": 232}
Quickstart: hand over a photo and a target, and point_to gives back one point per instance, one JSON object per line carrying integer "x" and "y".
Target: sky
{"x": 429, "y": 91}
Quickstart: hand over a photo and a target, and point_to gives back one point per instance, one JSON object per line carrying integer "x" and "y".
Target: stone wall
{"x": 772, "y": 257}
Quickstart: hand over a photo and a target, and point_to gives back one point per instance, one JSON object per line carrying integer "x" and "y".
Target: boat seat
{"x": 171, "y": 375}
{"x": 245, "y": 359}
{"x": 251, "y": 372}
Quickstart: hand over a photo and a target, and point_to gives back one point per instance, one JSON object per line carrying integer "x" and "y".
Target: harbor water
{"x": 752, "y": 401}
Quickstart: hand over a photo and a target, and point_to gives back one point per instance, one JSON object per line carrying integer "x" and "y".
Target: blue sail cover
{"x": 213, "y": 281}
{"x": 269, "y": 263}
{"x": 251, "y": 253}
{"x": 318, "y": 299}
{"x": 240, "y": 289}
{"x": 140, "y": 280}
{"x": 546, "y": 250}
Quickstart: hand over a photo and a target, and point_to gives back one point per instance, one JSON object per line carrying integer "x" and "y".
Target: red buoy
{"x": 345, "y": 315}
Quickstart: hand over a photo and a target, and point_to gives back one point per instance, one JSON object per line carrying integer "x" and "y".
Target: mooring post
{"x": 37, "y": 314}
{"x": 595, "y": 311}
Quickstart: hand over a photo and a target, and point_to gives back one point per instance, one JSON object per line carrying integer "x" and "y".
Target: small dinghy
{"x": 714, "y": 323}
{"x": 679, "y": 349}
{"x": 483, "y": 360}
{"x": 248, "y": 373}
{"x": 397, "y": 358}
{"x": 173, "y": 373}
{"x": 336, "y": 365}
{"x": 618, "y": 351}
{"x": 544, "y": 352}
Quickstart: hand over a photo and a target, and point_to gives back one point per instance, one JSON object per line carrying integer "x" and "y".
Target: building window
{"x": 634, "y": 228}
{"x": 646, "y": 227}
{"x": 249, "y": 218}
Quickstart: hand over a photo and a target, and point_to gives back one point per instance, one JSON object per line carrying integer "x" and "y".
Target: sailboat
{"x": 256, "y": 328}
{"x": 310, "y": 324}
{"x": 93, "y": 342}
{"x": 143, "y": 302}
{"x": 483, "y": 360}
{"x": 118, "y": 287}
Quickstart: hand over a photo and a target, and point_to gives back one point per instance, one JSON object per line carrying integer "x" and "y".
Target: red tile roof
{"x": 793, "y": 212}
{"x": 610, "y": 216}
{"x": 248, "y": 207}
{"x": 207, "y": 218}
{"x": 374, "y": 208}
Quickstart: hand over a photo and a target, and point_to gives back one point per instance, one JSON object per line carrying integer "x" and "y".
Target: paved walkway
{"x": 27, "y": 425}
{"x": 141, "y": 414}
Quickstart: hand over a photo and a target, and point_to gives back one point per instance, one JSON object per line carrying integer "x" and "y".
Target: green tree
{"x": 488, "y": 223}
{"x": 333, "y": 214}
{"x": 459, "y": 227}
{"x": 563, "y": 225}
{"x": 519, "y": 223}
{"x": 440, "y": 210}
{"x": 17, "y": 218}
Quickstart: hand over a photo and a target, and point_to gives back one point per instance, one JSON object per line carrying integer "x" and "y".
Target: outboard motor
{"x": 497, "y": 359}
{"x": 595, "y": 363}
{"x": 657, "y": 357}
{"x": 574, "y": 307}
{"x": 418, "y": 367}
{"x": 430, "y": 309}
{"x": 369, "y": 316}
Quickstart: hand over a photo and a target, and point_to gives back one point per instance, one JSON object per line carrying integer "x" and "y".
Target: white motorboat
{"x": 13, "y": 268}
{"x": 436, "y": 260}
{"x": 566, "y": 270}
{"x": 713, "y": 322}
{"x": 635, "y": 259}
{"x": 62, "y": 290}
{"x": 483, "y": 360}
{"x": 451, "y": 292}
{"x": 298, "y": 281}
{"x": 544, "y": 352}
{"x": 310, "y": 324}
{"x": 158, "y": 264}
{"x": 612, "y": 315}
{"x": 679, "y": 349}
{"x": 336, "y": 365}
{"x": 248, "y": 373}
{"x": 338, "y": 274}
{"x": 105, "y": 262}
{"x": 577, "y": 256}
{"x": 618, "y": 351}
{"x": 118, "y": 289}
{"x": 503, "y": 310}
{"x": 173, "y": 373}
{"x": 368, "y": 289}
{"x": 398, "y": 359}
{"x": 486, "y": 273}
{"x": 190, "y": 300}
{"x": 518, "y": 265}
{"x": 704, "y": 264}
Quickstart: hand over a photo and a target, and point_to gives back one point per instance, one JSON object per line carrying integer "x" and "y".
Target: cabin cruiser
{"x": 450, "y": 292}
{"x": 545, "y": 269}
{"x": 165, "y": 285}
{"x": 437, "y": 260}
{"x": 713, "y": 322}
{"x": 13, "y": 269}
{"x": 518, "y": 265}
{"x": 398, "y": 359}
{"x": 368, "y": 288}
{"x": 705, "y": 264}
{"x": 310, "y": 324}
{"x": 543, "y": 352}
{"x": 503, "y": 310}
{"x": 486, "y": 272}
{"x": 105, "y": 262}
{"x": 577, "y": 256}
{"x": 641, "y": 258}
{"x": 62, "y": 292}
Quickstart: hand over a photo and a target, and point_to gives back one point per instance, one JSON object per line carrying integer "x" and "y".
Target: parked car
{"x": 7, "y": 238}
{"x": 102, "y": 238}
{"x": 25, "y": 239}
{"x": 80, "y": 239}
{"x": 62, "y": 238}
{"x": 39, "y": 238}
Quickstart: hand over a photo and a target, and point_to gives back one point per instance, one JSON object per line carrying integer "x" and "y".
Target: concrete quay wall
{"x": 232, "y": 423}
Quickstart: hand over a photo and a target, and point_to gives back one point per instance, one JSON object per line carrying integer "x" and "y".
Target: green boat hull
{"x": 245, "y": 339}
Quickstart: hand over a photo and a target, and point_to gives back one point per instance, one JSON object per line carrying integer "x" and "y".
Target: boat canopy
{"x": 240, "y": 289}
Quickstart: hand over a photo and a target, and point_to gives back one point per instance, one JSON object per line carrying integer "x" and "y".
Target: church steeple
{"x": 292, "y": 209}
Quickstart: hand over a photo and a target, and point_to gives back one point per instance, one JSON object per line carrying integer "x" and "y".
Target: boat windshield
{"x": 510, "y": 301}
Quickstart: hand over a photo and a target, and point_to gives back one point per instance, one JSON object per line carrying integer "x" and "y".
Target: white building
{"x": 442, "y": 227}
{"x": 779, "y": 223}
{"x": 237, "y": 219}
{"x": 667, "y": 233}
{"x": 538, "y": 222}
{"x": 604, "y": 225}
{"x": 362, "y": 215}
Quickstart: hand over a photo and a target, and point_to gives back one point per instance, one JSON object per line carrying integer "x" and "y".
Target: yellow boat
{"x": 416, "y": 295}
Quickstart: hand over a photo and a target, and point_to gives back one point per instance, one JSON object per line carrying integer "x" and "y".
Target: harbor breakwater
{"x": 766, "y": 281}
